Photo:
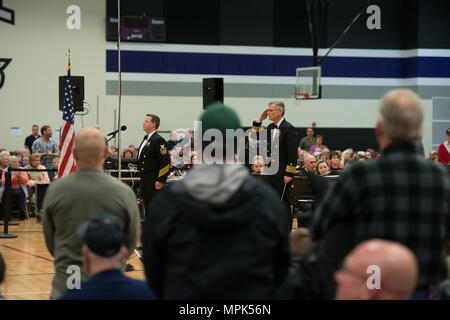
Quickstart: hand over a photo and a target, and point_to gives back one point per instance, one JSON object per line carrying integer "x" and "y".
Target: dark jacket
{"x": 198, "y": 250}
{"x": 29, "y": 141}
{"x": 154, "y": 159}
{"x": 286, "y": 149}
{"x": 111, "y": 285}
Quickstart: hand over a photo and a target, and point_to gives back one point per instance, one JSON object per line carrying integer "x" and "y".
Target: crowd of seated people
{"x": 317, "y": 161}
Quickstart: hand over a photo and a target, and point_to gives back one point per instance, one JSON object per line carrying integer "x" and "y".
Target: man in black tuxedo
{"x": 153, "y": 160}
{"x": 284, "y": 149}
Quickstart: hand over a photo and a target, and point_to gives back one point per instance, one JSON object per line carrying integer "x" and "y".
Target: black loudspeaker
{"x": 212, "y": 91}
{"x": 77, "y": 92}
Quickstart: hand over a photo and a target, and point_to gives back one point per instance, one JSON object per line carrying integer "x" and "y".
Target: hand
{"x": 287, "y": 179}
{"x": 263, "y": 115}
{"x": 159, "y": 185}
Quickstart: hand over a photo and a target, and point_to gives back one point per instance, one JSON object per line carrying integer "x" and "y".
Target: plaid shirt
{"x": 398, "y": 197}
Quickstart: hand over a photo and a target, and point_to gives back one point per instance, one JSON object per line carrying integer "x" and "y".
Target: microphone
{"x": 123, "y": 128}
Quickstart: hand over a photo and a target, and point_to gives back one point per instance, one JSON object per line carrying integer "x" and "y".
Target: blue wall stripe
{"x": 272, "y": 65}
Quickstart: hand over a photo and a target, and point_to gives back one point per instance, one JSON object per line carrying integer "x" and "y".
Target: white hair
{"x": 13, "y": 158}
{"x": 401, "y": 116}
{"x": 280, "y": 105}
{"x": 4, "y": 154}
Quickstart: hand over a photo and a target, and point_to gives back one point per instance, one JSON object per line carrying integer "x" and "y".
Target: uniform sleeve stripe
{"x": 290, "y": 169}
{"x": 163, "y": 171}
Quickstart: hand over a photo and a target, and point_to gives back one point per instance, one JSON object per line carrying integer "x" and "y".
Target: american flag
{"x": 67, "y": 163}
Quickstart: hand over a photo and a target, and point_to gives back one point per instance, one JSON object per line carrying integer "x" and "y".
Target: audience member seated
{"x": 35, "y": 178}
{"x": 25, "y": 153}
{"x": 377, "y": 270}
{"x": 319, "y": 146}
{"x": 350, "y": 161}
{"x": 114, "y": 152}
{"x": 310, "y": 165}
{"x": 322, "y": 168}
{"x": 335, "y": 161}
{"x": 133, "y": 149}
{"x": 433, "y": 158}
{"x": 258, "y": 164}
{"x": 4, "y": 161}
{"x": 104, "y": 253}
{"x": 25, "y": 161}
{"x": 19, "y": 191}
{"x": 444, "y": 149}
{"x": 300, "y": 157}
{"x": 347, "y": 154}
{"x": 370, "y": 154}
{"x": 127, "y": 154}
{"x": 53, "y": 175}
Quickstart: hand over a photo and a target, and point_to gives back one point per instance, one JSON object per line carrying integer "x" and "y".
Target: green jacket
{"x": 306, "y": 144}
{"x": 77, "y": 198}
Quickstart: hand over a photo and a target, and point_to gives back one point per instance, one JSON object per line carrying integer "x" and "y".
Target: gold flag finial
{"x": 68, "y": 54}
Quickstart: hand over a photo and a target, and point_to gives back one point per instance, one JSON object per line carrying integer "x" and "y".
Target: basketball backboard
{"x": 307, "y": 84}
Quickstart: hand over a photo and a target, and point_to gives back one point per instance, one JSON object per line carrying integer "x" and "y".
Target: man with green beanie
{"x": 218, "y": 233}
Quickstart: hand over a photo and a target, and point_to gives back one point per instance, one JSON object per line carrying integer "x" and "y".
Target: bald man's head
{"x": 89, "y": 148}
{"x": 397, "y": 266}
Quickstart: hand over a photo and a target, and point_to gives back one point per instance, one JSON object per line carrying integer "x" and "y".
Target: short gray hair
{"x": 13, "y": 158}
{"x": 401, "y": 116}
{"x": 258, "y": 158}
{"x": 4, "y": 154}
{"x": 280, "y": 105}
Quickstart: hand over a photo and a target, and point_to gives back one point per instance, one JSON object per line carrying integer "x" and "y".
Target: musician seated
{"x": 322, "y": 168}
{"x": 310, "y": 165}
{"x": 127, "y": 154}
{"x": 258, "y": 164}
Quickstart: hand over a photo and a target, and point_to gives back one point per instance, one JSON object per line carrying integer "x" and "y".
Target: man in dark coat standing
{"x": 153, "y": 160}
{"x": 283, "y": 149}
{"x": 33, "y": 136}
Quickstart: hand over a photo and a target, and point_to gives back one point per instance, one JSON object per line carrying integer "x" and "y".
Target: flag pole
{"x": 119, "y": 143}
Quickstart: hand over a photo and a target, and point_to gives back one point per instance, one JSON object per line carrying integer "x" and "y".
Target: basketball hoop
{"x": 300, "y": 96}
{"x": 308, "y": 83}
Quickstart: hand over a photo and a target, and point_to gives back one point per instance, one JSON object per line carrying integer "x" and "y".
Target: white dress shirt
{"x": 144, "y": 142}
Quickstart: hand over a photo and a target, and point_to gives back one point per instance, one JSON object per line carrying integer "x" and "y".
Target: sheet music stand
{"x": 301, "y": 190}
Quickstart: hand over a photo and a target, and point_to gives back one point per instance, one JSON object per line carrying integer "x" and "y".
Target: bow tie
{"x": 145, "y": 137}
{"x": 276, "y": 127}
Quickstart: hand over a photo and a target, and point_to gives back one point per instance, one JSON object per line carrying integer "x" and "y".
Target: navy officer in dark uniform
{"x": 284, "y": 150}
{"x": 153, "y": 160}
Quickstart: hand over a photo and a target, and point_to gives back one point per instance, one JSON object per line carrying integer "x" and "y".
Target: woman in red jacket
{"x": 444, "y": 150}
